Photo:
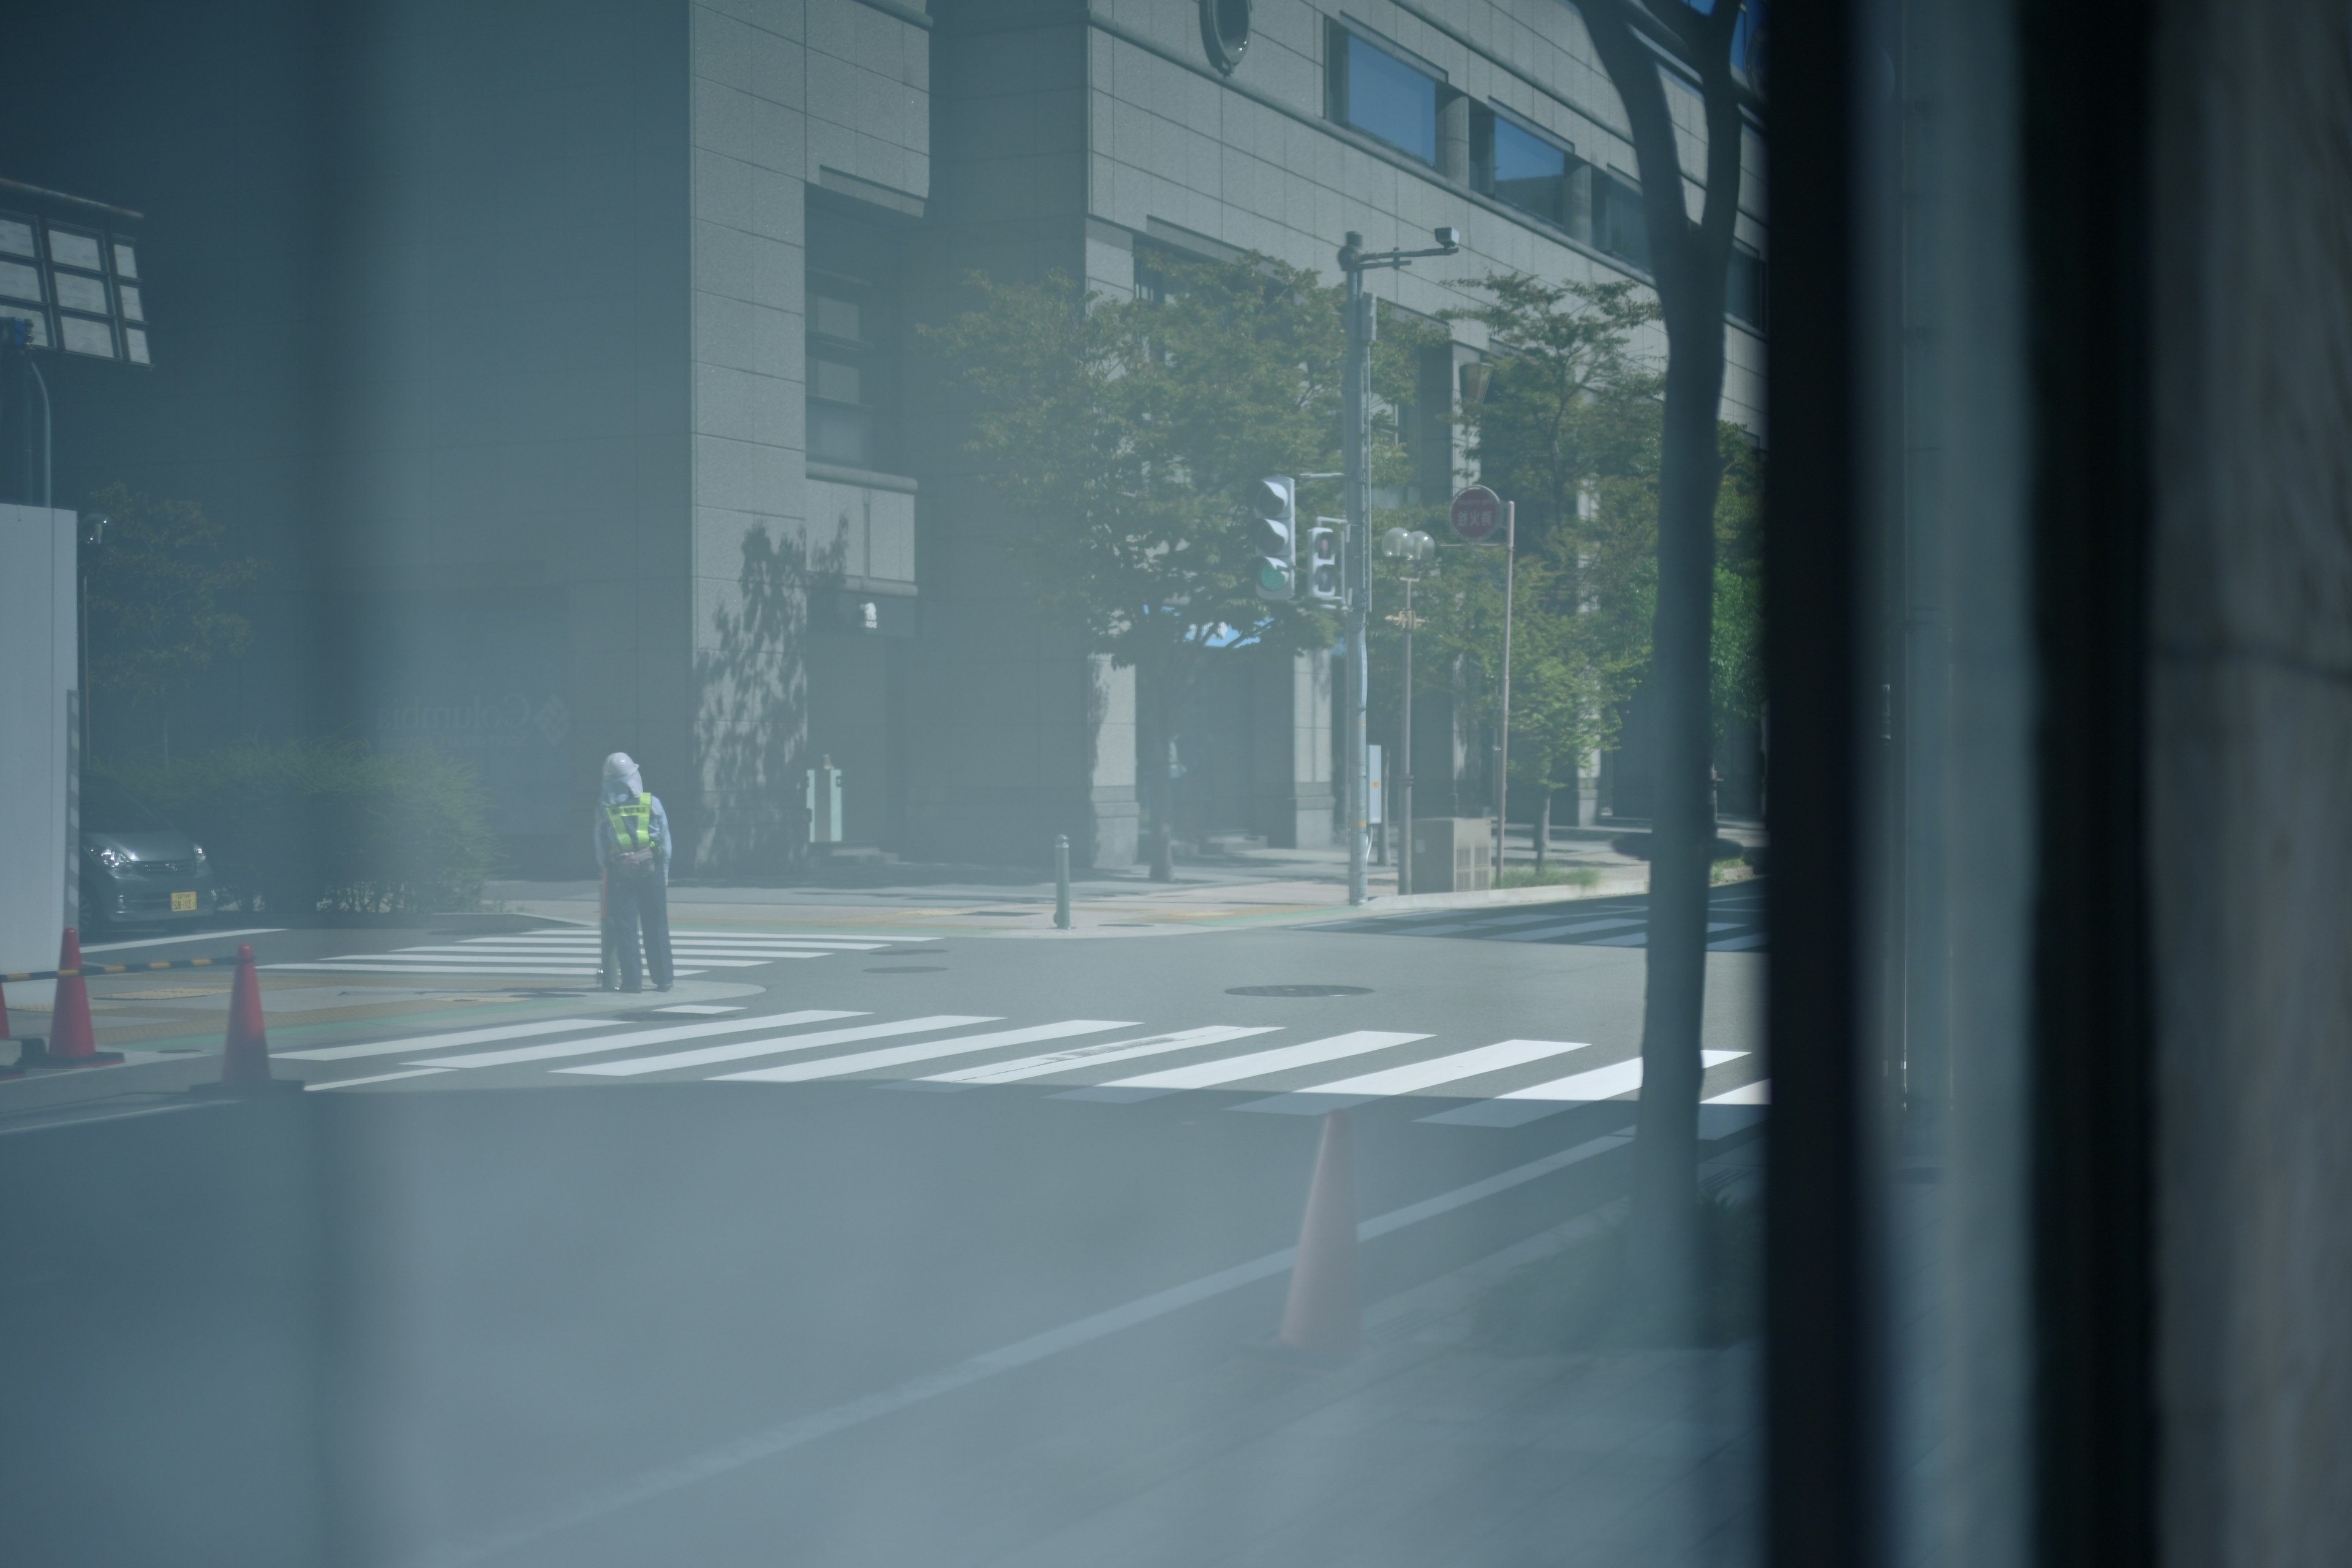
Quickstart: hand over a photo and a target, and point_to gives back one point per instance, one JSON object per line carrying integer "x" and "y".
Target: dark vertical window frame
{"x": 1824, "y": 1425}
{"x": 2086, "y": 70}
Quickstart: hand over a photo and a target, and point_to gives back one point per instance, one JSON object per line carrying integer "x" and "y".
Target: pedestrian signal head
{"x": 1275, "y": 536}
{"x": 1323, "y": 562}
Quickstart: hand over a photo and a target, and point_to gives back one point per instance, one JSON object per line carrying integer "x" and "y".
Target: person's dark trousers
{"x": 640, "y": 901}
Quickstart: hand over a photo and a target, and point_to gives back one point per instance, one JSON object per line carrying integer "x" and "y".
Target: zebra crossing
{"x": 576, "y": 952}
{"x": 1496, "y": 1084}
{"x": 1734, "y": 922}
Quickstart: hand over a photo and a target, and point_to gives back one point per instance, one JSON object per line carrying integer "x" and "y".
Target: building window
{"x": 853, "y": 341}
{"x": 1515, "y": 164}
{"x": 1618, "y": 226}
{"x": 1382, "y": 95}
{"x": 1743, "y": 287}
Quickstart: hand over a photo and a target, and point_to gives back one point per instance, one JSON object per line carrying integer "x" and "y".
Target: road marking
{"x": 798, "y": 1432}
{"x": 1737, "y": 943}
{"x": 591, "y": 938}
{"x": 1412, "y": 1076}
{"x": 376, "y": 967}
{"x": 1576, "y": 928}
{"x": 1536, "y": 1102}
{"x": 437, "y": 1042}
{"x": 492, "y": 958}
{"x": 1022, "y": 1068}
{"x": 696, "y": 1007}
{"x": 775, "y": 1046}
{"x": 379, "y": 1077}
{"x": 1757, "y": 1093}
{"x": 641, "y": 1037}
{"x": 898, "y": 1055}
{"x": 1257, "y": 1064}
{"x": 192, "y": 936}
{"x": 588, "y": 949}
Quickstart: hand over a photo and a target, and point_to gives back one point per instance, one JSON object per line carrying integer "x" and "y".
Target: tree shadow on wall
{"x": 751, "y": 706}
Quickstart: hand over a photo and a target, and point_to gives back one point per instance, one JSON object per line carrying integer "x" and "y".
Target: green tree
{"x": 1568, "y": 430}
{"x": 1689, "y": 264}
{"x": 1128, "y": 431}
{"x": 157, "y": 585}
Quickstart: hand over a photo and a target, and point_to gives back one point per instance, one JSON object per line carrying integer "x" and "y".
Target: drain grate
{"x": 1299, "y": 991}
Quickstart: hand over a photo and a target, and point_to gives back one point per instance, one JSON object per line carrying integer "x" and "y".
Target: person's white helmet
{"x": 622, "y": 769}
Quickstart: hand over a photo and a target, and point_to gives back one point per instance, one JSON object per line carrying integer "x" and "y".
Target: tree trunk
{"x": 1664, "y": 1275}
{"x": 1543, "y": 832}
{"x": 1156, "y": 792}
{"x": 1663, "y": 1254}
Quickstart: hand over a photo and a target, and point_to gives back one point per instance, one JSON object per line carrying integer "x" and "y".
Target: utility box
{"x": 825, "y": 803}
{"x": 36, "y": 683}
{"x": 1453, "y": 855}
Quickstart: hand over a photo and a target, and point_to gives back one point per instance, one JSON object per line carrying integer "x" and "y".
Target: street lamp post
{"x": 1356, "y": 413}
{"x": 1503, "y": 732}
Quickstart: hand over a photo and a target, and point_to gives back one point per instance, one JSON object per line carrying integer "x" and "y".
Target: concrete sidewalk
{"x": 1244, "y": 887}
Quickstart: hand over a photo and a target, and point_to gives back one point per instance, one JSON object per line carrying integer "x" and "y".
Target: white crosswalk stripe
{"x": 774, "y": 1046}
{"x": 1022, "y": 1068}
{"x": 1521, "y": 1106}
{"x": 1218, "y": 1057}
{"x": 899, "y": 1056}
{"x": 440, "y": 1042}
{"x": 1411, "y": 1077}
{"x": 1257, "y": 1064}
{"x": 660, "y": 1037}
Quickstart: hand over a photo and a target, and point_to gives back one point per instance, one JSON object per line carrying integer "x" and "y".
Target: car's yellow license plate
{"x": 184, "y": 903}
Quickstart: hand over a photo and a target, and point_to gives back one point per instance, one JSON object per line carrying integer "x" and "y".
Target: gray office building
{"x": 609, "y": 436}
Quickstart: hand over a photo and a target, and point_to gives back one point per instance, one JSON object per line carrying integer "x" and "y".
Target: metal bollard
{"x": 1061, "y": 881}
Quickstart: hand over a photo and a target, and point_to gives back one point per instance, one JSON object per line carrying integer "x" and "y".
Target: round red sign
{"x": 1477, "y": 513}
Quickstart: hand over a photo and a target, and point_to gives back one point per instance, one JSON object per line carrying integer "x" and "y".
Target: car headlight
{"x": 113, "y": 860}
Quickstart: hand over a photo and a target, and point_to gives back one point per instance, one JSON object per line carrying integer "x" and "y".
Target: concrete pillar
{"x": 2250, "y": 773}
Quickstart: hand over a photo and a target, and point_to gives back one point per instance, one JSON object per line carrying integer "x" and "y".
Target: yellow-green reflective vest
{"x": 631, "y": 822}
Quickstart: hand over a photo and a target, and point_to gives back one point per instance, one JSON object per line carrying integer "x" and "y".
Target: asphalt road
{"x": 834, "y": 1314}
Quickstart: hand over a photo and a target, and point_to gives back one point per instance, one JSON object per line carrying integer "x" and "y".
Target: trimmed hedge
{"x": 312, "y": 825}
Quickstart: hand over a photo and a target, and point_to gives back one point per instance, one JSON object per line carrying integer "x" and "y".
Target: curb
{"x": 1399, "y": 902}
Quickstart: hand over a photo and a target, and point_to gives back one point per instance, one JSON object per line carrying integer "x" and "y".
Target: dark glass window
{"x": 1381, "y": 95}
{"x": 1529, "y": 172}
{"x": 1743, "y": 287}
{"x": 1618, "y": 226}
{"x": 853, "y": 310}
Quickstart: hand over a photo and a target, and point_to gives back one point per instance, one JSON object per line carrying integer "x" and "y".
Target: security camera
{"x": 1450, "y": 237}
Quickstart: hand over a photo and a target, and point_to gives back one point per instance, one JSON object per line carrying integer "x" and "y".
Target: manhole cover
{"x": 1299, "y": 991}
{"x": 909, "y": 969}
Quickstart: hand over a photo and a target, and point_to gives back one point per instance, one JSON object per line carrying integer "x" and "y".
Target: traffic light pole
{"x": 1356, "y": 413}
{"x": 1355, "y": 443}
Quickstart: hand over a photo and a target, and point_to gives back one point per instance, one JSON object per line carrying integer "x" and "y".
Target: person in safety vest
{"x": 633, "y": 849}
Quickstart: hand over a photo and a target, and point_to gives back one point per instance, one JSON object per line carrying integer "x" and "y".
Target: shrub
{"x": 308, "y": 825}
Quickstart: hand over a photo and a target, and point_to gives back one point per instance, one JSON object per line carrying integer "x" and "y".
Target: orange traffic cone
{"x": 72, "y": 1043}
{"x": 245, "y": 1055}
{"x": 1324, "y": 1317}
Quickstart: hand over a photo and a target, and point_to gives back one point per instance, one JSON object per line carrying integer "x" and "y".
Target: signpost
{"x": 1477, "y": 513}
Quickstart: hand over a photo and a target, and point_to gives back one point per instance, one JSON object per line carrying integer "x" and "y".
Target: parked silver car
{"x": 137, "y": 868}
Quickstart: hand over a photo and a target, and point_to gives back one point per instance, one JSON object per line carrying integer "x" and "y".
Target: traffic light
{"x": 1323, "y": 561}
{"x": 1275, "y": 501}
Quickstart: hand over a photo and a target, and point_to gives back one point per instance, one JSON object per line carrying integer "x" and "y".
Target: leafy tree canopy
{"x": 155, "y": 589}
{"x": 1129, "y": 430}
